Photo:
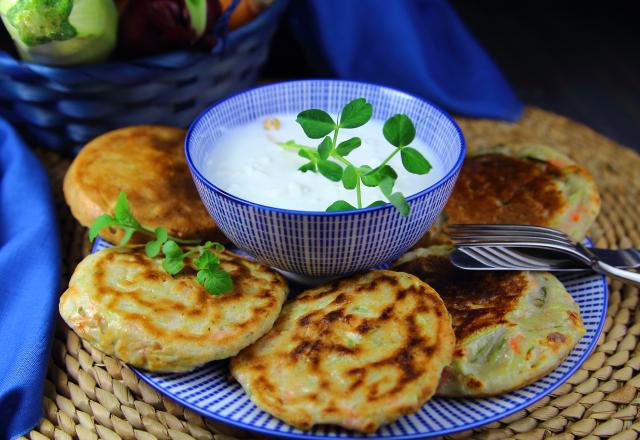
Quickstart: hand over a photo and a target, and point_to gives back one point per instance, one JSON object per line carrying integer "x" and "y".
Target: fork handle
{"x": 623, "y": 275}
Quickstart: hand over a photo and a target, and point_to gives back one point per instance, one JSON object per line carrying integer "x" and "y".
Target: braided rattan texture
{"x": 89, "y": 395}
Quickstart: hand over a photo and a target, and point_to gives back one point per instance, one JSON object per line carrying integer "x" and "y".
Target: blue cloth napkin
{"x": 419, "y": 46}
{"x": 29, "y": 280}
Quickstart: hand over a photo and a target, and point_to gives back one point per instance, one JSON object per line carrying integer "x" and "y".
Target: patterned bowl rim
{"x": 358, "y": 436}
{"x": 452, "y": 172}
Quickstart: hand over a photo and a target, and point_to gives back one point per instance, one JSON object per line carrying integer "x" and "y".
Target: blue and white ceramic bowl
{"x": 323, "y": 244}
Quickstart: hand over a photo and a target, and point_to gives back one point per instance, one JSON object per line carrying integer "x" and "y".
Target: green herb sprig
{"x": 330, "y": 157}
{"x": 215, "y": 280}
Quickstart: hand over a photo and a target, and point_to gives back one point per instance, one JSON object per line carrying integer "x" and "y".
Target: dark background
{"x": 578, "y": 59}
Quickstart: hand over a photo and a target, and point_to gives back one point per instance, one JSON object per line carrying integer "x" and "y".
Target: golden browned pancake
{"x": 511, "y": 327}
{"x": 126, "y": 305}
{"x": 521, "y": 184}
{"x": 357, "y": 353}
{"x": 147, "y": 163}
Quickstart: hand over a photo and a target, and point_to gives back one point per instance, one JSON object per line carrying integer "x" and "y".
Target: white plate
{"x": 208, "y": 390}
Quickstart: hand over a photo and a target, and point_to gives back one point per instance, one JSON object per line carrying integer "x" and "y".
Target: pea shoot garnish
{"x": 329, "y": 158}
{"x": 215, "y": 280}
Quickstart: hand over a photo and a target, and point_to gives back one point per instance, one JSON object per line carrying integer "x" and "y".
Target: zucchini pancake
{"x": 521, "y": 184}
{"x": 359, "y": 353}
{"x": 511, "y": 328}
{"x": 125, "y": 304}
{"x": 147, "y": 163}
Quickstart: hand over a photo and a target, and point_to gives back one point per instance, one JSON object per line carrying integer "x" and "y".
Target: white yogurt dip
{"x": 247, "y": 163}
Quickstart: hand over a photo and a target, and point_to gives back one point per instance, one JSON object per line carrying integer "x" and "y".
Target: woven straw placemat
{"x": 89, "y": 395}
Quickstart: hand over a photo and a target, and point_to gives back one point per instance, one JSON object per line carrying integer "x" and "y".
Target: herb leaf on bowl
{"x": 316, "y": 123}
{"x": 356, "y": 113}
{"x": 330, "y": 170}
{"x": 215, "y": 280}
{"x": 399, "y": 130}
{"x": 413, "y": 161}
{"x": 329, "y": 158}
{"x": 346, "y": 147}
{"x": 340, "y": 205}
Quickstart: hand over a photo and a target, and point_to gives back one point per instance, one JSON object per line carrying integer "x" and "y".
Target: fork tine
{"x": 499, "y": 257}
{"x": 512, "y": 228}
{"x": 513, "y": 236}
{"x": 537, "y": 262}
{"x": 511, "y": 241}
{"x": 545, "y": 263}
{"x": 475, "y": 254}
{"x": 534, "y": 243}
{"x": 505, "y": 236}
{"x": 508, "y": 226}
{"x": 505, "y": 232}
{"x": 515, "y": 258}
{"x": 482, "y": 255}
{"x": 488, "y": 260}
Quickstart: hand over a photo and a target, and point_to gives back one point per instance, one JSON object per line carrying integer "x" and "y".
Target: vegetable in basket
{"x": 61, "y": 32}
{"x": 246, "y": 11}
{"x": 153, "y": 26}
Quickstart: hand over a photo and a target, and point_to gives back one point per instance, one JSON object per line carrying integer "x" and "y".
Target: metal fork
{"x": 485, "y": 240}
{"x": 502, "y": 258}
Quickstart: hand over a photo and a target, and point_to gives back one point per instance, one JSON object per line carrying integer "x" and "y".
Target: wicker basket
{"x": 63, "y": 108}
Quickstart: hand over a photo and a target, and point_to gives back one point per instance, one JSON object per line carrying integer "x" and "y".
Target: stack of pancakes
{"x": 358, "y": 352}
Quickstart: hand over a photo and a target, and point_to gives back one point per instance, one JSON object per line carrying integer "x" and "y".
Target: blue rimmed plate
{"x": 209, "y": 391}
